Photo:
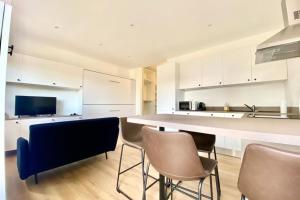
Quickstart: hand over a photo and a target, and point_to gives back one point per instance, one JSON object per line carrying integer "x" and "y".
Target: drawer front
{"x": 100, "y": 111}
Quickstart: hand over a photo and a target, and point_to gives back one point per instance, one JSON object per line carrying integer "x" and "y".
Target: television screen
{"x": 30, "y": 105}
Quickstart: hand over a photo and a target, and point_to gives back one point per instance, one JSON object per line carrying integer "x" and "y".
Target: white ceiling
{"x": 160, "y": 29}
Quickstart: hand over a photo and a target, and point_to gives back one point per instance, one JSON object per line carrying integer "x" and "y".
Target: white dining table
{"x": 281, "y": 131}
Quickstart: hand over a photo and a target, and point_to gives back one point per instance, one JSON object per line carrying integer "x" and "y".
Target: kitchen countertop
{"x": 282, "y": 131}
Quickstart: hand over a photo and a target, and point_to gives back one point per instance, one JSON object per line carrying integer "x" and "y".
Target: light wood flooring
{"x": 95, "y": 178}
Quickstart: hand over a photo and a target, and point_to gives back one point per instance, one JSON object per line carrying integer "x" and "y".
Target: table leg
{"x": 162, "y": 194}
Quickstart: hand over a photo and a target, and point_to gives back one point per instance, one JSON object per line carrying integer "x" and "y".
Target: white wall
{"x": 68, "y": 101}
{"x": 260, "y": 94}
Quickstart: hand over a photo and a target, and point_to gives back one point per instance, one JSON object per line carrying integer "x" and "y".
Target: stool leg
{"x": 200, "y": 189}
{"x": 210, "y": 183}
{"x": 217, "y": 176}
{"x": 143, "y": 174}
{"x": 119, "y": 170}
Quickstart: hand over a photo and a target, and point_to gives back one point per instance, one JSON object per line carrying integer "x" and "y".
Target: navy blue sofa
{"x": 56, "y": 144}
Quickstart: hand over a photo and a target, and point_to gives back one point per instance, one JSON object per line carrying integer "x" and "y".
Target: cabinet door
{"x": 190, "y": 74}
{"x": 237, "y": 65}
{"x": 106, "y": 89}
{"x": 12, "y": 133}
{"x": 166, "y": 88}
{"x": 233, "y": 143}
{"x": 212, "y": 71}
{"x": 270, "y": 71}
{"x": 67, "y": 76}
{"x": 14, "y": 68}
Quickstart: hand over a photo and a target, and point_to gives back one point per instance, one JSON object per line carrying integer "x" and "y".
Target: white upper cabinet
{"x": 32, "y": 70}
{"x": 212, "y": 70}
{"x": 107, "y": 89}
{"x": 270, "y": 71}
{"x": 166, "y": 87}
{"x": 236, "y": 65}
{"x": 190, "y": 74}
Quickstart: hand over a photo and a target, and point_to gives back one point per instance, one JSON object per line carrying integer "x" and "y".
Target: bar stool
{"x": 269, "y": 174}
{"x": 132, "y": 137}
{"x": 174, "y": 155}
{"x": 206, "y": 143}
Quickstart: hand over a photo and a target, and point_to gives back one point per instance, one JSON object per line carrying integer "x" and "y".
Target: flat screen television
{"x": 33, "y": 105}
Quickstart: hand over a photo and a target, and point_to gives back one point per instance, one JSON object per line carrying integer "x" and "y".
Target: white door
{"x": 237, "y": 65}
{"x": 212, "y": 71}
{"x": 166, "y": 88}
{"x": 190, "y": 73}
{"x": 5, "y": 16}
{"x": 270, "y": 71}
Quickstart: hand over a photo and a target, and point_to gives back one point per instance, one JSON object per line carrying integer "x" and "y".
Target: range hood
{"x": 286, "y": 43}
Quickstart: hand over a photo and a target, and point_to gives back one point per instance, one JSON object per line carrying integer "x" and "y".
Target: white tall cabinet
{"x": 167, "y": 88}
{"x": 107, "y": 95}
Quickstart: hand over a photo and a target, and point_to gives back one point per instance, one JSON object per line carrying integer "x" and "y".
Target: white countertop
{"x": 282, "y": 131}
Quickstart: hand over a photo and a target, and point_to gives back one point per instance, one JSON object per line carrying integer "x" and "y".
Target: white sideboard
{"x": 25, "y": 69}
{"x": 20, "y": 128}
{"x": 98, "y": 111}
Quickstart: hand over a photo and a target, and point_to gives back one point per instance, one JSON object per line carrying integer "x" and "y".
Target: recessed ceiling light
{"x": 209, "y": 25}
{"x": 56, "y": 27}
{"x": 132, "y": 25}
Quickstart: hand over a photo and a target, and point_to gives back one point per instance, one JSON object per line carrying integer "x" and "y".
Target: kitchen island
{"x": 282, "y": 131}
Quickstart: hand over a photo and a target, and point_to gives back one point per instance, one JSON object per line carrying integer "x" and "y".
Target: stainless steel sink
{"x": 274, "y": 116}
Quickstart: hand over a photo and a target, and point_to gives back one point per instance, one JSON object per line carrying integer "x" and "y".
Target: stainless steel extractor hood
{"x": 286, "y": 43}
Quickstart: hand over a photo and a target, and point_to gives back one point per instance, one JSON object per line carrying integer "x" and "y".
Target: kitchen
{"x": 225, "y": 78}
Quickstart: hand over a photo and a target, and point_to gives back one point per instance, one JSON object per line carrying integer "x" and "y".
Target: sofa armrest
{"x": 23, "y": 158}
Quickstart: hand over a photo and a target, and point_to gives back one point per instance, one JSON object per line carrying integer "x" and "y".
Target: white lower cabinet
{"x": 20, "y": 128}
{"x": 221, "y": 141}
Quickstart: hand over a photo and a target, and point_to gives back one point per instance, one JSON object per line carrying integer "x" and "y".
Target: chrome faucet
{"x": 253, "y": 108}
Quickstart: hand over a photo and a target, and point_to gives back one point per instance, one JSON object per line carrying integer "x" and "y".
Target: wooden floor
{"x": 95, "y": 178}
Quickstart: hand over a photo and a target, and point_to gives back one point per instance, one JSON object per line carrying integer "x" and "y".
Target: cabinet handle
{"x": 199, "y": 85}
{"x": 114, "y": 110}
{"x": 220, "y": 82}
{"x": 188, "y": 113}
{"x": 17, "y": 122}
{"x": 18, "y": 79}
{"x": 53, "y": 120}
{"x": 248, "y": 79}
{"x": 11, "y": 49}
{"x": 212, "y": 115}
{"x": 114, "y": 81}
{"x": 232, "y": 115}
{"x": 53, "y": 83}
{"x": 255, "y": 79}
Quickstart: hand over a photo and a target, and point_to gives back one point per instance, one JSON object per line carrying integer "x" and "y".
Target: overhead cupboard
{"x": 234, "y": 66}
{"x": 23, "y": 69}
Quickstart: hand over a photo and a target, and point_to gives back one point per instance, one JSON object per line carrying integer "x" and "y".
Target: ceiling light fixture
{"x": 100, "y": 44}
{"x": 56, "y": 27}
{"x": 132, "y": 25}
{"x": 209, "y": 25}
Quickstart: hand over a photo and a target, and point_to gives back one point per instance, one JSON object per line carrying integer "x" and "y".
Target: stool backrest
{"x": 269, "y": 174}
{"x": 173, "y": 154}
{"x": 130, "y": 132}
